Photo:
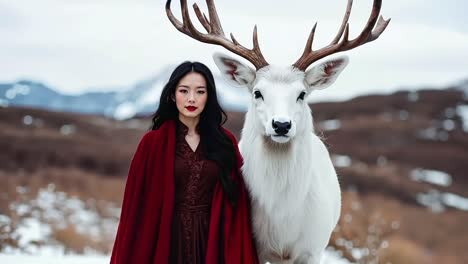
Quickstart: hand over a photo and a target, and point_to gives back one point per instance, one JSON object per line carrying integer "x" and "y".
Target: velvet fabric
{"x": 195, "y": 178}
{"x": 144, "y": 232}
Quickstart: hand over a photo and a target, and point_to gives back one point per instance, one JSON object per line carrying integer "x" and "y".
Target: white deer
{"x": 296, "y": 198}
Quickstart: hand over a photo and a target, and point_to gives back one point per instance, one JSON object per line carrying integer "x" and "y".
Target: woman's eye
{"x": 258, "y": 94}
{"x": 301, "y": 96}
{"x": 201, "y": 92}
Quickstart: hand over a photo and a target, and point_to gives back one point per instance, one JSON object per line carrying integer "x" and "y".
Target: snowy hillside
{"x": 33, "y": 242}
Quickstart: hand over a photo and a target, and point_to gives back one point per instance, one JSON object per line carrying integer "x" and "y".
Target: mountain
{"x": 140, "y": 98}
{"x": 35, "y": 94}
{"x": 121, "y": 103}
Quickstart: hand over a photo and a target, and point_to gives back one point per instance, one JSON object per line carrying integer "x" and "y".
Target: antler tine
{"x": 202, "y": 18}
{"x": 364, "y": 36}
{"x": 381, "y": 26}
{"x": 310, "y": 40}
{"x": 344, "y": 23}
{"x": 214, "y": 19}
{"x": 256, "y": 46}
{"x": 177, "y": 24}
{"x": 188, "y": 22}
{"x": 186, "y": 25}
{"x": 234, "y": 40}
{"x": 370, "y": 32}
{"x": 215, "y": 31}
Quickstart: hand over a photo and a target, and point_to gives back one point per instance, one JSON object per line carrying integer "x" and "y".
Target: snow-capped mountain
{"x": 140, "y": 98}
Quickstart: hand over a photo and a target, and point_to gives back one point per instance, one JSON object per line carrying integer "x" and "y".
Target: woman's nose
{"x": 191, "y": 97}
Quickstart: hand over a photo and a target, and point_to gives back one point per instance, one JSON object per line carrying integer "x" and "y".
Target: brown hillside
{"x": 384, "y": 139}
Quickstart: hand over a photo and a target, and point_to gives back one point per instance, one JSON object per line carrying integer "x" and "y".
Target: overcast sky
{"x": 82, "y": 45}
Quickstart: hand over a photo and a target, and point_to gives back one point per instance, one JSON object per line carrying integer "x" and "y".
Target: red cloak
{"x": 144, "y": 232}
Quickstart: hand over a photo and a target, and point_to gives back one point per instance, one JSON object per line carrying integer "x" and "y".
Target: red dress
{"x": 195, "y": 180}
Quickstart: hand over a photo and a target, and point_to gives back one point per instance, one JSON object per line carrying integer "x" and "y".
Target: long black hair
{"x": 217, "y": 145}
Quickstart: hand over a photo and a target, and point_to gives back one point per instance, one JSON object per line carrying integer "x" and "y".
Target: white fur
{"x": 296, "y": 198}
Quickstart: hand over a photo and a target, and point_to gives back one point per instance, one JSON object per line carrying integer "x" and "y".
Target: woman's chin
{"x": 190, "y": 115}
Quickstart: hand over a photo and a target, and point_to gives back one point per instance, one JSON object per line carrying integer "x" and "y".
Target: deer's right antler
{"x": 215, "y": 33}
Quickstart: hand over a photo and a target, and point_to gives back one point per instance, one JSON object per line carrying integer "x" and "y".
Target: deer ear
{"x": 234, "y": 71}
{"x": 325, "y": 74}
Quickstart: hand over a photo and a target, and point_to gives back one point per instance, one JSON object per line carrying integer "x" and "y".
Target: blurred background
{"x": 79, "y": 80}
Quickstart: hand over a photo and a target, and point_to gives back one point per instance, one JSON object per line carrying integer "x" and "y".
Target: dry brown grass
{"x": 77, "y": 242}
{"x": 98, "y": 145}
{"x": 21, "y": 188}
{"x": 397, "y": 233}
{"x": 364, "y": 226}
{"x": 73, "y": 241}
{"x": 404, "y": 251}
{"x": 74, "y": 182}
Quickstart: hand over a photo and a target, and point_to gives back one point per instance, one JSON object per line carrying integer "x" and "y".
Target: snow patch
{"x": 4, "y": 219}
{"x": 341, "y": 161}
{"x": 438, "y": 201}
{"x": 125, "y": 110}
{"x": 17, "y": 89}
{"x": 52, "y": 210}
{"x": 413, "y": 96}
{"x": 462, "y": 111}
{"x": 403, "y": 115}
{"x": 28, "y": 120}
{"x": 332, "y": 124}
{"x": 433, "y": 133}
{"x": 448, "y": 124}
{"x": 32, "y": 231}
{"x": 455, "y": 201}
{"x": 382, "y": 160}
{"x": 331, "y": 256}
{"x": 53, "y": 259}
{"x": 67, "y": 129}
{"x": 431, "y": 176}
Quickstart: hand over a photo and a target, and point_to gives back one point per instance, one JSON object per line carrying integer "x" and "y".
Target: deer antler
{"x": 370, "y": 32}
{"x": 215, "y": 33}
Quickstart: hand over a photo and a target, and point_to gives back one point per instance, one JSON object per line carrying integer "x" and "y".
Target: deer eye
{"x": 301, "y": 96}
{"x": 258, "y": 94}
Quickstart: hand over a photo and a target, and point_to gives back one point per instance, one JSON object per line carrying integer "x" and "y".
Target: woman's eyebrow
{"x": 186, "y": 86}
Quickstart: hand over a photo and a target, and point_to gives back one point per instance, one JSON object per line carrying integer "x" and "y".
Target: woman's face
{"x": 191, "y": 95}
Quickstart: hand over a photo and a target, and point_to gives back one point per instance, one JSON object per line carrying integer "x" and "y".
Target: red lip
{"x": 191, "y": 108}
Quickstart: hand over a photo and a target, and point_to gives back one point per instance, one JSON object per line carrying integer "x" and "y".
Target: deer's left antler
{"x": 371, "y": 32}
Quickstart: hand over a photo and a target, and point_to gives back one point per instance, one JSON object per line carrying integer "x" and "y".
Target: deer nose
{"x": 281, "y": 128}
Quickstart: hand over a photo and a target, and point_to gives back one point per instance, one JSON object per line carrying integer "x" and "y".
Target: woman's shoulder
{"x": 147, "y": 138}
{"x": 151, "y": 136}
{"x": 165, "y": 128}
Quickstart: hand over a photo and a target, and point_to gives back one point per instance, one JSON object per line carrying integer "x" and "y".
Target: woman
{"x": 185, "y": 200}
